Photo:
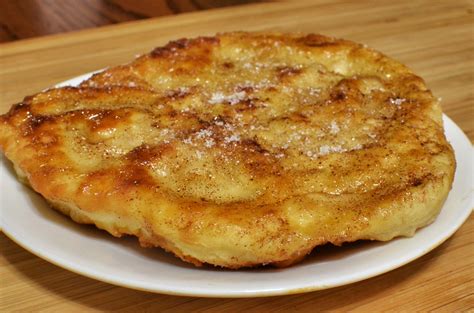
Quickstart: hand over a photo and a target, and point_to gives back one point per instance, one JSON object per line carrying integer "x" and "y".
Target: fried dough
{"x": 240, "y": 149}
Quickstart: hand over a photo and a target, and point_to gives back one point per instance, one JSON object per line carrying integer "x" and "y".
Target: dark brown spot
{"x": 228, "y": 65}
{"x": 338, "y": 95}
{"x": 38, "y": 120}
{"x": 345, "y": 89}
{"x": 253, "y": 145}
{"x": 416, "y": 181}
{"x": 19, "y": 107}
{"x": 247, "y": 104}
{"x": 172, "y": 46}
{"x": 172, "y": 113}
{"x": 314, "y": 40}
{"x": 183, "y": 43}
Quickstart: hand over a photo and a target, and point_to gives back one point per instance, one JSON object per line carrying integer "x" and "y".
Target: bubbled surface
{"x": 240, "y": 149}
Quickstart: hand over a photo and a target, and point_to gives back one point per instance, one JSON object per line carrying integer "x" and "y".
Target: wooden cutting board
{"x": 434, "y": 38}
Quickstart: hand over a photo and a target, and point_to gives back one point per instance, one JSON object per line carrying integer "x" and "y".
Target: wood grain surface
{"x": 435, "y": 38}
{"x": 32, "y": 18}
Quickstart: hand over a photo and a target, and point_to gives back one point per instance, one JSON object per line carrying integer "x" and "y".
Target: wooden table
{"x": 435, "y": 38}
{"x": 32, "y": 18}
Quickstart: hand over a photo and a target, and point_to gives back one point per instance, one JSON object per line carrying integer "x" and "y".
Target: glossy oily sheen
{"x": 240, "y": 149}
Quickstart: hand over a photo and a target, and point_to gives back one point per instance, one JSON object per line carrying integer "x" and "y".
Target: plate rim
{"x": 457, "y": 132}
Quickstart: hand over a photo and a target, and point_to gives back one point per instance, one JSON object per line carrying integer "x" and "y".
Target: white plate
{"x": 28, "y": 221}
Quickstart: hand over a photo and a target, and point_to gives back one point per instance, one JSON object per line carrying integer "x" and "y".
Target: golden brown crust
{"x": 240, "y": 149}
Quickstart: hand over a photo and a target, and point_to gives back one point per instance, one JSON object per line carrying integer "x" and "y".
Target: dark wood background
{"x": 20, "y": 19}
